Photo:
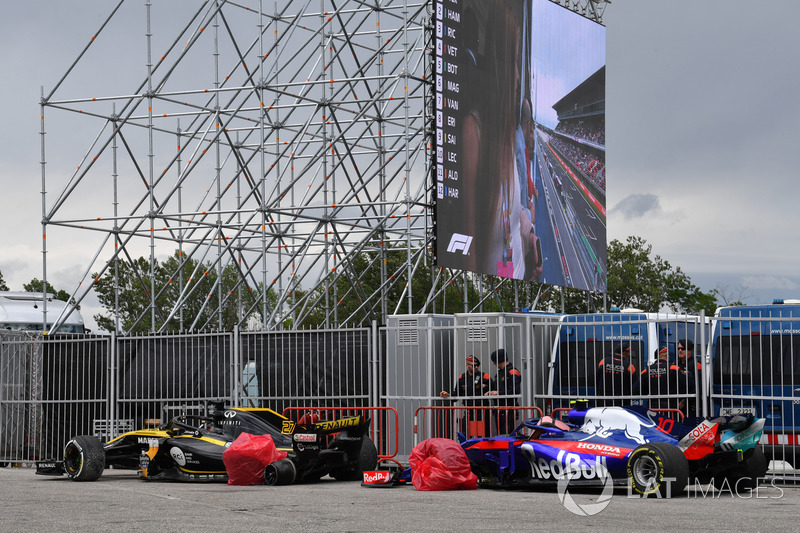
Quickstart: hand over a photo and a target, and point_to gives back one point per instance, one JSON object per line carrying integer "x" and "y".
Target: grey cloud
{"x": 637, "y": 206}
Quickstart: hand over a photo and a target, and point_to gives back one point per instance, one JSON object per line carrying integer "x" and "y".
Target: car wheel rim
{"x": 645, "y": 471}
{"x": 72, "y": 461}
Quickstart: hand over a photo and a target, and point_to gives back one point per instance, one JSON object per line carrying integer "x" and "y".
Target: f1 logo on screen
{"x": 459, "y": 242}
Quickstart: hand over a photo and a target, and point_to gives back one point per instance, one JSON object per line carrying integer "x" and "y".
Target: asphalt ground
{"x": 119, "y": 501}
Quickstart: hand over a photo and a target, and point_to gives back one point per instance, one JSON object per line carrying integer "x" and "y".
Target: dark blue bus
{"x": 756, "y": 368}
{"x": 584, "y": 340}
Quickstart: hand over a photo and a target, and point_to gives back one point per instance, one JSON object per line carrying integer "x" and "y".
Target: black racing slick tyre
{"x": 658, "y": 468}
{"x": 367, "y": 456}
{"x": 281, "y": 472}
{"x": 84, "y": 458}
{"x": 745, "y": 475}
{"x": 367, "y": 460}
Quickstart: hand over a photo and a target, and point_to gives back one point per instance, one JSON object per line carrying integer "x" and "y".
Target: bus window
{"x": 743, "y": 359}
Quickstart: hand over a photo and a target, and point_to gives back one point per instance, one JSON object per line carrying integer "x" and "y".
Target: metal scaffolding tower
{"x": 275, "y": 142}
{"x": 265, "y": 146}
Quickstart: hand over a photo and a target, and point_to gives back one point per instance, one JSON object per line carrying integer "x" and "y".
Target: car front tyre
{"x": 84, "y": 458}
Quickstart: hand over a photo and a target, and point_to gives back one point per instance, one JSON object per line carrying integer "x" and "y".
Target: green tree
{"x": 638, "y": 279}
{"x": 3, "y": 286}
{"x": 176, "y": 278}
{"x": 354, "y": 296}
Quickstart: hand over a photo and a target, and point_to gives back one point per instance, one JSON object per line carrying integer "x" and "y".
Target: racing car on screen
{"x": 601, "y": 445}
{"x": 190, "y": 448}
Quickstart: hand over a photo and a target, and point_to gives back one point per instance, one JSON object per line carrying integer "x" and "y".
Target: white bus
{"x": 24, "y": 311}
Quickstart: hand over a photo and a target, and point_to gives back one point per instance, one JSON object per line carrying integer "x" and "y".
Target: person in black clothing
{"x": 472, "y": 383}
{"x": 658, "y": 379}
{"x": 687, "y": 381}
{"x": 507, "y": 383}
{"x": 616, "y": 375}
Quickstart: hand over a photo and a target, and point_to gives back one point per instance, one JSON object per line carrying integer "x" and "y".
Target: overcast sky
{"x": 702, "y": 133}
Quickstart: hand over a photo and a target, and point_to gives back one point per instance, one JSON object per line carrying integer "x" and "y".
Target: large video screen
{"x": 519, "y": 158}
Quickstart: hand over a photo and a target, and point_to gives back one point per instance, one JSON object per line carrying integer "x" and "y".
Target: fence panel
{"x": 158, "y": 377}
{"x": 756, "y": 369}
{"x": 613, "y": 359}
{"x": 52, "y": 389}
{"x": 426, "y": 365}
{"x": 315, "y": 368}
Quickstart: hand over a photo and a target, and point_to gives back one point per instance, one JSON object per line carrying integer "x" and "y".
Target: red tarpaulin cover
{"x": 441, "y": 464}
{"x": 246, "y": 458}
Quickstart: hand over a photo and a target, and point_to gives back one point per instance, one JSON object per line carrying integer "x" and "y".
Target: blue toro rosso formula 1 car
{"x": 626, "y": 445}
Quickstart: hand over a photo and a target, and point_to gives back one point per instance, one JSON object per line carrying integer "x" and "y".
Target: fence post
{"x": 237, "y": 370}
{"x": 705, "y": 390}
{"x": 113, "y": 384}
{"x": 374, "y": 370}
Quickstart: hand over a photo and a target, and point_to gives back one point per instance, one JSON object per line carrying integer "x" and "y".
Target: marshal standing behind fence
{"x": 475, "y": 422}
{"x": 507, "y": 383}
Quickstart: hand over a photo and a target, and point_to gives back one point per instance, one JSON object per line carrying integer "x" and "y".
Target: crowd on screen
{"x": 590, "y": 130}
{"x": 591, "y": 165}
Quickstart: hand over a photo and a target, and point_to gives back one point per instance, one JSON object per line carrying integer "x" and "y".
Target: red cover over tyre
{"x": 441, "y": 464}
{"x": 246, "y": 458}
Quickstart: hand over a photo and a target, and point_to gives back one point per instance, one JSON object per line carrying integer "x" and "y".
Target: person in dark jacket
{"x": 659, "y": 379}
{"x": 687, "y": 376}
{"x": 507, "y": 383}
{"x": 616, "y": 375}
{"x": 472, "y": 383}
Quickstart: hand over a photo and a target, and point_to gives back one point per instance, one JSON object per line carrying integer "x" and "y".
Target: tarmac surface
{"x": 119, "y": 501}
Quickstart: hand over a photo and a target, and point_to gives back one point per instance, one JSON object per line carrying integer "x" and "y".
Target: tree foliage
{"x": 638, "y": 279}
{"x": 350, "y": 287}
{"x": 177, "y": 278}
{"x": 372, "y": 284}
{"x": 3, "y": 286}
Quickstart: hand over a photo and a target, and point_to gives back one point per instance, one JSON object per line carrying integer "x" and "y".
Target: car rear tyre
{"x": 281, "y": 472}
{"x": 658, "y": 468}
{"x": 84, "y": 458}
{"x": 745, "y": 476}
{"x": 367, "y": 460}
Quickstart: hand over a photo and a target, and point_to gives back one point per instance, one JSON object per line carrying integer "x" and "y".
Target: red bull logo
{"x": 378, "y": 477}
{"x": 566, "y": 465}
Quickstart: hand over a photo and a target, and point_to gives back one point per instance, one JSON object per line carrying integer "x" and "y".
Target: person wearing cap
{"x": 660, "y": 378}
{"x": 687, "y": 382}
{"x": 472, "y": 383}
{"x": 616, "y": 375}
{"x": 507, "y": 383}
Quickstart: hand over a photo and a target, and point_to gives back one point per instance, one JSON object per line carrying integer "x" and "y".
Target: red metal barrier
{"x": 472, "y": 421}
{"x": 380, "y": 422}
{"x": 554, "y": 412}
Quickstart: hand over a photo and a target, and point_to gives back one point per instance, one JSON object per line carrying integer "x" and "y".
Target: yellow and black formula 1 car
{"x": 190, "y": 448}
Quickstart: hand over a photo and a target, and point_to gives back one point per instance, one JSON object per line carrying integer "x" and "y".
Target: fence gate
{"x": 51, "y": 388}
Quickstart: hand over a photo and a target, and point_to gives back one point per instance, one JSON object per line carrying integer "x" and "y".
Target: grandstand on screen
{"x": 580, "y": 134}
